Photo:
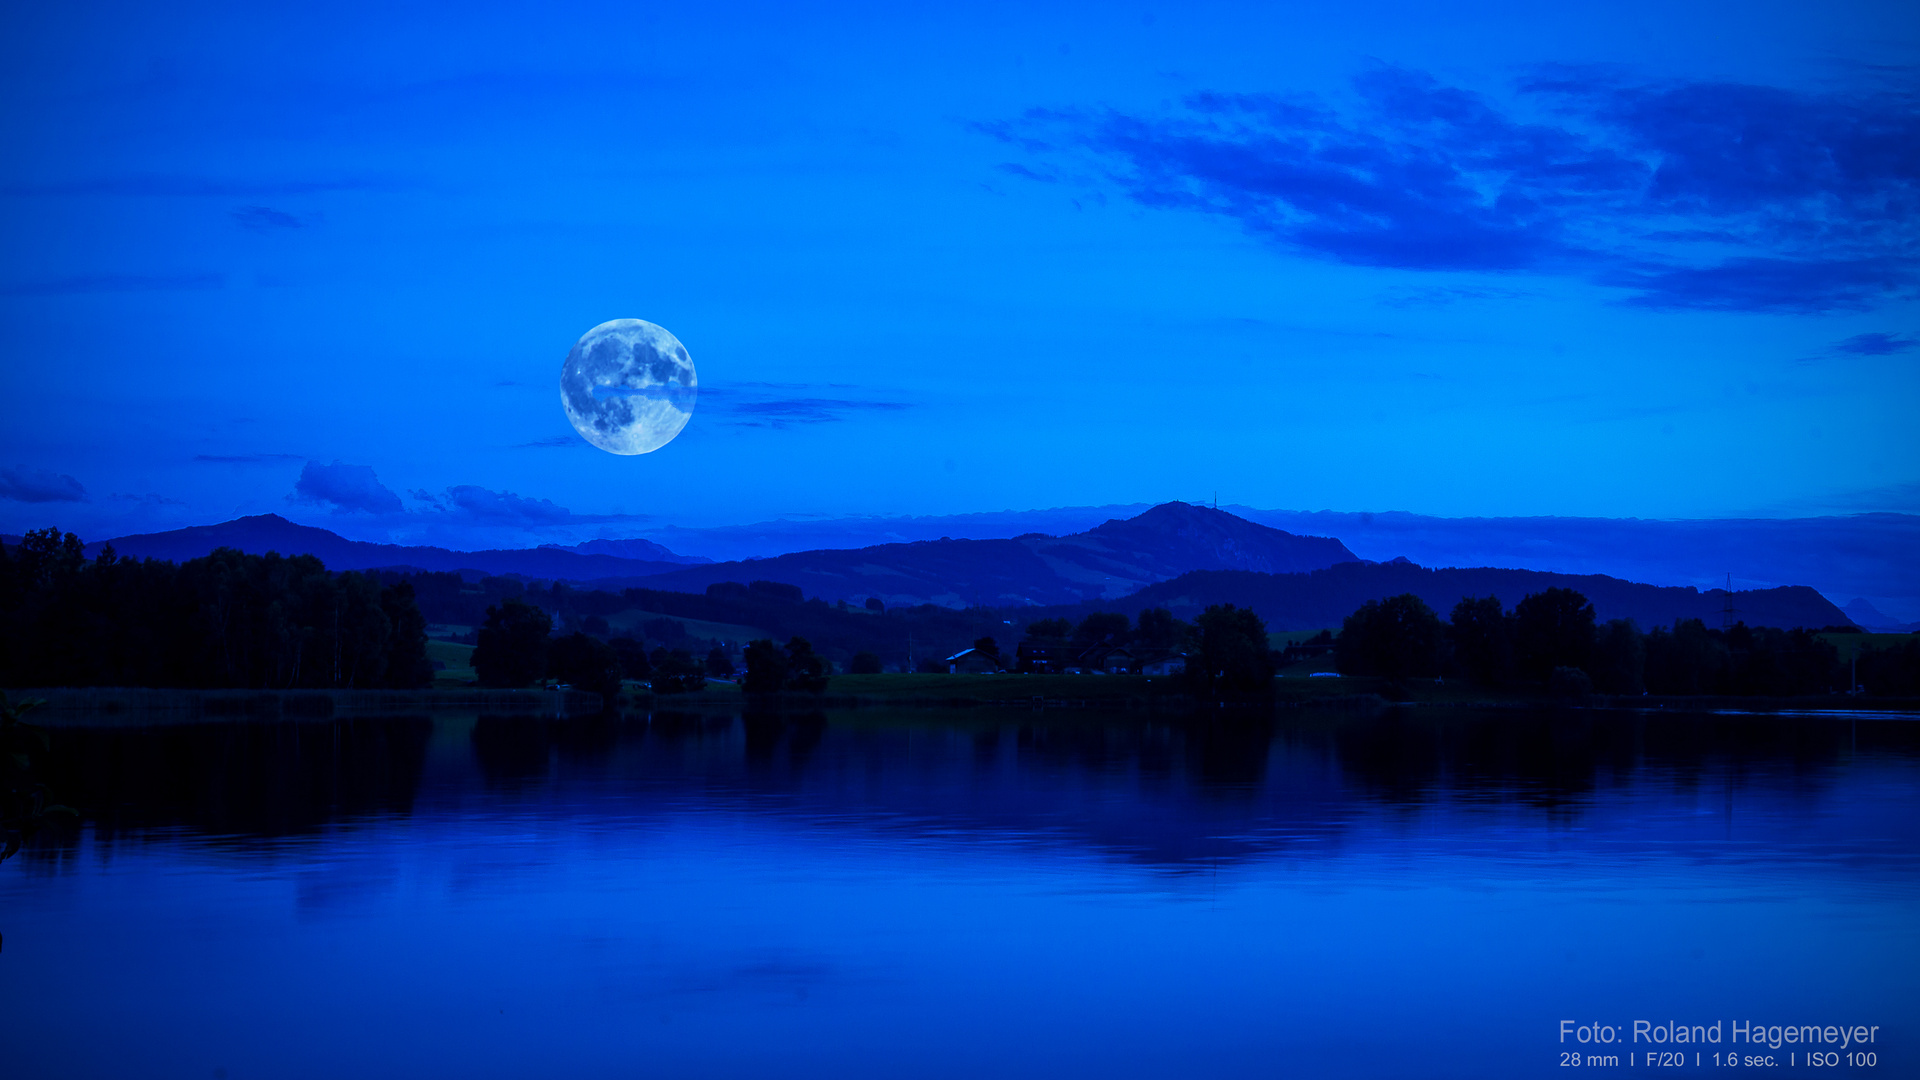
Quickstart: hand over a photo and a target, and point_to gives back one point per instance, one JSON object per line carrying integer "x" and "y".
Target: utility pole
{"x": 1726, "y": 613}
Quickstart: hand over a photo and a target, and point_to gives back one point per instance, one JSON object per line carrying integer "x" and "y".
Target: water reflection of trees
{"x": 1169, "y": 790}
{"x": 1556, "y": 758}
{"x": 241, "y": 778}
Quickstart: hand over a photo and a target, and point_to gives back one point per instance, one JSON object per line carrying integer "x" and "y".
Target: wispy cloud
{"x": 503, "y": 507}
{"x": 39, "y": 486}
{"x": 1875, "y": 344}
{"x": 813, "y": 410}
{"x": 775, "y": 405}
{"x": 474, "y": 505}
{"x": 1690, "y": 194}
{"x": 807, "y": 412}
{"x": 265, "y": 219}
{"x": 116, "y": 283}
{"x": 1806, "y": 286}
{"x": 552, "y": 442}
{"x": 1025, "y": 173}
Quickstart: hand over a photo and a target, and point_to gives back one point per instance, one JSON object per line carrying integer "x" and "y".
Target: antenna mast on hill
{"x": 1726, "y": 613}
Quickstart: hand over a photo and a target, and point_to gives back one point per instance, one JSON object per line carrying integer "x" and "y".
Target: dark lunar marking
{"x": 608, "y": 351}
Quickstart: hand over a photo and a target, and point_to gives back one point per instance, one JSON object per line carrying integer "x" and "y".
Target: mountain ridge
{"x": 261, "y": 533}
{"x": 1107, "y": 561}
{"x": 1300, "y": 582}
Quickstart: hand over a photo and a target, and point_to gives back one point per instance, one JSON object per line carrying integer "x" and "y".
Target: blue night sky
{"x": 1610, "y": 259}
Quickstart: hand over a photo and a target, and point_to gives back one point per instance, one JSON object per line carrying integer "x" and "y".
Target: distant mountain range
{"x": 1869, "y": 555}
{"x": 644, "y": 550}
{"x": 1869, "y": 617}
{"x": 1176, "y": 555}
{"x": 1107, "y": 561}
{"x": 271, "y": 532}
{"x": 1858, "y": 555}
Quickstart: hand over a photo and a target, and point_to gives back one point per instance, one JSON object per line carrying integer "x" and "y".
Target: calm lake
{"x": 968, "y": 894}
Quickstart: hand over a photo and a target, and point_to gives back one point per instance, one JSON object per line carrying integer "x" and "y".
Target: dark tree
{"x": 1689, "y": 659}
{"x": 766, "y": 668}
{"x": 875, "y": 604}
{"x": 864, "y": 663}
{"x": 1049, "y": 629}
{"x": 675, "y": 671}
{"x": 587, "y": 663}
{"x": 1619, "y": 658}
{"x": 406, "y": 665}
{"x": 986, "y": 646}
{"x": 1552, "y": 629}
{"x": 1399, "y": 637}
{"x": 1569, "y": 682}
{"x": 719, "y": 664}
{"x": 513, "y": 645}
{"x": 1893, "y": 671}
{"x": 806, "y": 670}
{"x": 46, "y": 556}
{"x": 1742, "y": 660}
{"x": 631, "y": 655}
{"x": 1156, "y": 628}
{"x": 1481, "y": 634}
{"x": 1233, "y": 658}
{"x": 1102, "y": 628}
{"x": 669, "y": 632}
{"x": 778, "y": 590}
{"x": 1780, "y": 663}
{"x": 596, "y": 625}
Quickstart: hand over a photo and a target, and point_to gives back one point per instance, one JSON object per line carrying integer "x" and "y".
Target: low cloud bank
{"x": 39, "y": 486}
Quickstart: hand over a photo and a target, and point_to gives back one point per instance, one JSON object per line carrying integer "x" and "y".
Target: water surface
{"x": 955, "y": 894}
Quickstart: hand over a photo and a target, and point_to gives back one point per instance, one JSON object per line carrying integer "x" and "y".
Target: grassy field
{"x": 1846, "y": 643}
{"x": 459, "y": 661}
{"x": 628, "y": 622}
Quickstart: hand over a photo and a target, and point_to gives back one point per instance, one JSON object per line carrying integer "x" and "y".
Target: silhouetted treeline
{"x": 226, "y": 620}
{"x": 1551, "y": 640}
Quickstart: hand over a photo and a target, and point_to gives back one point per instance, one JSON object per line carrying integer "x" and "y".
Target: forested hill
{"x": 262, "y": 533}
{"x": 1325, "y": 597}
{"x": 1105, "y": 562}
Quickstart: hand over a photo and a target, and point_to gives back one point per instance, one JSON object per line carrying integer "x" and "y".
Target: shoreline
{"x": 134, "y": 704}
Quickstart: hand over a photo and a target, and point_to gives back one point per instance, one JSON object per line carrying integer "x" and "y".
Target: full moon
{"x": 628, "y": 386}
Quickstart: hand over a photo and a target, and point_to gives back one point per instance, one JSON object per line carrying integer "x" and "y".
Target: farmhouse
{"x": 973, "y": 662}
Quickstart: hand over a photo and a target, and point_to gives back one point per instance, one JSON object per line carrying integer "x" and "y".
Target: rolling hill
{"x": 1106, "y": 562}
{"x": 1324, "y": 598}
